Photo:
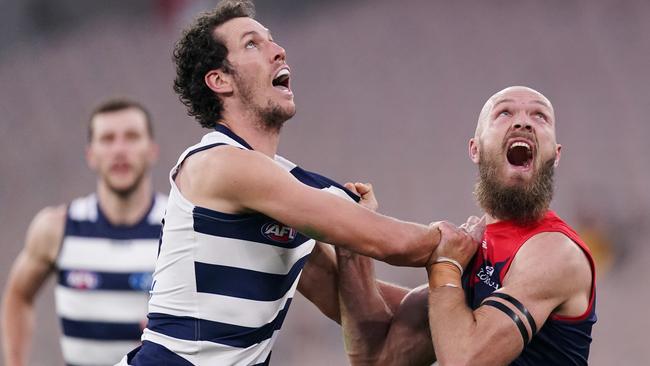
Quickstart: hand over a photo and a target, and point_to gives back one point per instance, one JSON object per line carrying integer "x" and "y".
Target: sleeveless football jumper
{"x": 223, "y": 282}
{"x": 104, "y": 275}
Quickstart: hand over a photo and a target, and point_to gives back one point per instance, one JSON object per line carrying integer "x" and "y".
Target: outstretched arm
{"x": 319, "y": 281}
{"x": 260, "y": 185}
{"x": 28, "y": 273}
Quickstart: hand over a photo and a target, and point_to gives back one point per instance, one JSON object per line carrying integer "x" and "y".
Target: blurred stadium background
{"x": 387, "y": 92}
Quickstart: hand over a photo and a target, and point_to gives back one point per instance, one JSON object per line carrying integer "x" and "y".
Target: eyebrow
{"x": 536, "y": 101}
{"x": 247, "y": 34}
{"x": 253, "y": 32}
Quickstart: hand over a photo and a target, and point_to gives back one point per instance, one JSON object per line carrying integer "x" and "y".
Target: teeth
{"x": 518, "y": 143}
{"x": 282, "y": 72}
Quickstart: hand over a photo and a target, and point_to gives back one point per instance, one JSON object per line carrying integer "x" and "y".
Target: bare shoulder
{"x": 551, "y": 258}
{"x": 556, "y": 250}
{"x": 226, "y": 166}
{"x": 45, "y": 233}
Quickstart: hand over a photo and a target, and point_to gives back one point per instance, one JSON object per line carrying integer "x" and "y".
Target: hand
{"x": 364, "y": 190}
{"x": 459, "y": 243}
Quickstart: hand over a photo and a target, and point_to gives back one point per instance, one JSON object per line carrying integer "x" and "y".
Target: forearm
{"x": 451, "y": 321}
{"x": 319, "y": 281}
{"x": 384, "y": 238}
{"x": 17, "y": 329}
{"x": 367, "y": 309}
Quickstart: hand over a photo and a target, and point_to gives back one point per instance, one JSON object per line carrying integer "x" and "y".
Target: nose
{"x": 279, "y": 54}
{"x": 120, "y": 146}
{"x": 523, "y": 125}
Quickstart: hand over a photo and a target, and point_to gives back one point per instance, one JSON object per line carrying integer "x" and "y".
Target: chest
{"x": 488, "y": 269}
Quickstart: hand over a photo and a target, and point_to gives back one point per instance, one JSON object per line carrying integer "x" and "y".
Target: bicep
{"x": 27, "y": 276}
{"x": 36, "y": 260}
{"x": 313, "y": 212}
{"x": 409, "y": 339}
{"x": 318, "y": 281}
{"x": 534, "y": 287}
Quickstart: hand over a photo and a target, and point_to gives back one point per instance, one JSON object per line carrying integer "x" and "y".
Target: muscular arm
{"x": 537, "y": 278}
{"x": 29, "y": 271}
{"x": 320, "y": 277}
{"x": 319, "y": 283}
{"x": 382, "y": 324}
{"x": 258, "y": 184}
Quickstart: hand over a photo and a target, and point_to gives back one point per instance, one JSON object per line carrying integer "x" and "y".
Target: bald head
{"x": 510, "y": 94}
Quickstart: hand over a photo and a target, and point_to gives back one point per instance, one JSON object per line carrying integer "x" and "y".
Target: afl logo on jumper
{"x": 279, "y": 233}
{"x": 82, "y": 280}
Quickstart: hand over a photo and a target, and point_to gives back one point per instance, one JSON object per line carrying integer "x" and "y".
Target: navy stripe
{"x": 318, "y": 181}
{"x": 226, "y": 131}
{"x": 101, "y": 330}
{"x": 203, "y": 148}
{"x": 266, "y": 362}
{"x": 91, "y": 280}
{"x": 153, "y": 354}
{"x": 102, "y": 228}
{"x": 256, "y": 228}
{"x": 193, "y": 329}
{"x": 244, "y": 283}
{"x": 99, "y": 229}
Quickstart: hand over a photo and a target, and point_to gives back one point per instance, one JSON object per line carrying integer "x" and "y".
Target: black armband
{"x": 512, "y": 315}
{"x": 520, "y": 307}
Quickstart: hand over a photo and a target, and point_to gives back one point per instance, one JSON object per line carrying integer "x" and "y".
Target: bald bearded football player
{"x": 523, "y": 296}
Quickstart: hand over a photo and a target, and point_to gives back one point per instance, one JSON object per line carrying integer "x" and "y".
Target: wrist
{"x": 443, "y": 273}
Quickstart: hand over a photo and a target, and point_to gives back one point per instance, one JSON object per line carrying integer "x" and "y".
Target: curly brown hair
{"x": 199, "y": 51}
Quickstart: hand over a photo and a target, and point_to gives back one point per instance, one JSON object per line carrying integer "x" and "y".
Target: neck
{"x": 129, "y": 210}
{"x": 260, "y": 139}
{"x": 489, "y": 219}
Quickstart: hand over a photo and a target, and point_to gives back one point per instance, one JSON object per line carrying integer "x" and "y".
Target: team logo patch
{"x": 83, "y": 280}
{"x": 279, "y": 233}
{"x": 140, "y": 281}
{"x": 485, "y": 276}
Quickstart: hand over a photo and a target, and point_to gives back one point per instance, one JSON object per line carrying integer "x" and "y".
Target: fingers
{"x": 477, "y": 230}
{"x": 363, "y": 188}
{"x": 359, "y": 188}
{"x": 472, "y": 220}
{"x": 352, "y": 188}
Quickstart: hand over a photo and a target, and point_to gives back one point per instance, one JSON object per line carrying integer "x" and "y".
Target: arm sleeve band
{"x": 512, "y": 315}
{"x": 520, "y": 307}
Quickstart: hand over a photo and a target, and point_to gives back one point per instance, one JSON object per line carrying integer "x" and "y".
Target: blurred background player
{"x": 102, "y": 248}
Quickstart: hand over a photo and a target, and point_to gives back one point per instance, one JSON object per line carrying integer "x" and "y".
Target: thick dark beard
{"x": 522, "y": 204}
{"x": 270, "y": 118}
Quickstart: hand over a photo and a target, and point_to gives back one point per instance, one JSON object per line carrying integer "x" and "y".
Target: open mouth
{"x": 281, "y": 79}
{"x": 520, "y": 154}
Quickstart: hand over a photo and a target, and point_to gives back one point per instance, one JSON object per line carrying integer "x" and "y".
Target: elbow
{"x": 402, "y": 254}
{"x": 391, "y": 253}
